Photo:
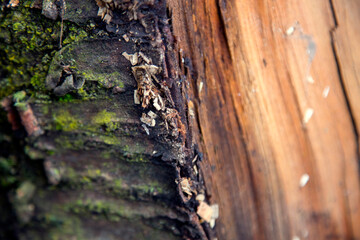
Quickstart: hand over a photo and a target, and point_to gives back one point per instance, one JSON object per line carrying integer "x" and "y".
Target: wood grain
{"x": 346, "y": 36}
{"x": 257, "y": 69}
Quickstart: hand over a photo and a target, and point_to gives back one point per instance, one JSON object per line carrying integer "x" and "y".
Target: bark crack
{"x": 337, "y": 61}
{"x": 347, "y": 100}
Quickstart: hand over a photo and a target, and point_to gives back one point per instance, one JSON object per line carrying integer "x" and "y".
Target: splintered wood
{"x": 205, "y": 211}
{"x": 185, "y": 186}
{"x": 134, "y": 58}
{"x": 208, "y": 213}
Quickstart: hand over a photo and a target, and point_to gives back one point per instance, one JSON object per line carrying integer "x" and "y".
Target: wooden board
{"x": 270, "y": 109}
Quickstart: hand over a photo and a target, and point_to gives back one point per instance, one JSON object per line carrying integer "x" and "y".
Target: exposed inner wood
{"x": 280, "y": 145}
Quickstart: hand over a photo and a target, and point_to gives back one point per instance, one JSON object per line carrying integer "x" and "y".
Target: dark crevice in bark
{"x": 332, "y": 32}
{"x": 356, "y": 131}
{"x": 336, "y": 57}
{"x": 221, "y": 11}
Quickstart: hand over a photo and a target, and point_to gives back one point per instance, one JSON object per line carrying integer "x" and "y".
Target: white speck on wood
{"x": 326, "y": 91}
{"x": 310, "y": 79}
{"x": 201, "y": 84}
{"x": 308, "y": 114}
{"x": 304, "y": 180}
{"x": 290, "y": 30}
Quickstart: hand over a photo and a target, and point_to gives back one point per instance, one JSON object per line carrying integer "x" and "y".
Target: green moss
{"x": 75, "y": 35}
{"x": 7, "y": 171}
{"x": 70, "y": 173}
{"x": 22, "y": 58}
{"x": 138, "y": 158}
{"x": 104, "y": 117}
{"x": 28, "y": 42}
{"x": 109, "y": 210}
{"x": 66, "y": 122}
{"x": 110, "y": 140}
{"x": 67, "y": 98}
{"x": 19, "y": 96}
{"x": 34, "y": 153}
{"x": 64, "y": 142}
{"x": 107, "y": 119}
{"x": 93, "y": 173}
{"x": 106, "y": 154}
{"x": 150, "y": 188}
{"x": 106, "y": 80}
{"x": 67, "y": 227}
{"x": 19, "y": 99}
{"x": 45, "y": 109}
{"x": 118, "y": 183}
{"x": 85, "y": 180}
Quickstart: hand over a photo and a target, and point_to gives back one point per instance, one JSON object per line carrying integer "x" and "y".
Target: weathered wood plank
{"x": 271, "y": 111}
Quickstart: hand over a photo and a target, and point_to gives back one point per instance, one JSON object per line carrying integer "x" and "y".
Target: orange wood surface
{"x": 346, "y": 36}
{"x": 275, "y": 91}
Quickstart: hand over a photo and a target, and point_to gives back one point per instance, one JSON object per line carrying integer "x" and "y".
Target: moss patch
{"x": 7, "y": 171}
{"x": 28, "y": 42}
{"x": 107, "y": 119}
{"x": 104, "y": 79}
{"x": 93, "y": 61}
{"x": 110, "y": 211}
{"x": 66, "y": 122}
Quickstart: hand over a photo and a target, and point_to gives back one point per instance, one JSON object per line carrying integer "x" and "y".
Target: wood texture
{"x": 257, "y": 71}
{"x": 346, "y": 36}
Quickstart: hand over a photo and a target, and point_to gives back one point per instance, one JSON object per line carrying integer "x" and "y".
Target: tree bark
{"x": 259, "y": 116}
{"x": 104, "y": 122}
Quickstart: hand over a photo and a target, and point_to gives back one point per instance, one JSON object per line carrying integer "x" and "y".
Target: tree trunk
{"x": 136, "y": 123}
{"x": 107, "y": 153}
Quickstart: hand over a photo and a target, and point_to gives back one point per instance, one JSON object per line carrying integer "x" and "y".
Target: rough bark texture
{"x": 93, "y": 164}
